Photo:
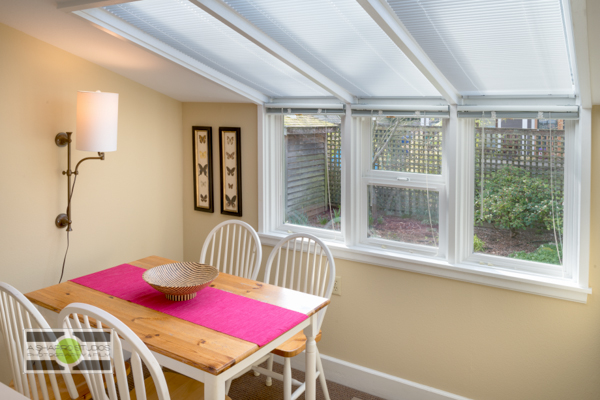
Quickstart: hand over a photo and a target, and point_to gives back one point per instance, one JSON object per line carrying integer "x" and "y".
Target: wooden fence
{"x": 310, "y": 151}
{"x": 535, "y": 151}
{"x": 307, "y": 149}
{"x": 415, "y": 149}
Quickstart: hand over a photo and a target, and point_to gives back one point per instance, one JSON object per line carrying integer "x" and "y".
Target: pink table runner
{"x": 234, "y": 315}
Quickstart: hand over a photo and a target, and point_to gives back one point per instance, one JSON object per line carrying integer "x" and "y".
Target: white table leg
{"x": 214, "y": 388}
{"x": 287, "y": 379}
{"x": 311, "y": 359}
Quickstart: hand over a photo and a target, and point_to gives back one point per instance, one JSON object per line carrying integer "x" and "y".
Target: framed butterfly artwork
{"x": 231, "y": 171}
{"x": 203, "y": 169}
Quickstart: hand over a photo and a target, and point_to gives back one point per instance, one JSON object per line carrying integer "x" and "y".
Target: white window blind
{"x": 492, "y": 47}
{"x": 340, "y": 40}
{"x": 188, "y": 29}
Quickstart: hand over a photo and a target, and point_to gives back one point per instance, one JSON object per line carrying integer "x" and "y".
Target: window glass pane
{"x": 404, "y": 215}
{"x": 313, "y": 162}
{"x": 519, "y": 189}
{"x": 407, "y": 144}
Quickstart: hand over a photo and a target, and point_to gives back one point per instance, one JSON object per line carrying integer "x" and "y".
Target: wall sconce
{"x": 97, "y": 115}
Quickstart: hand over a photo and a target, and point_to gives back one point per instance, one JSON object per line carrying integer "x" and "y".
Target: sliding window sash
{"x": 572, "y": 190}
{"x": 400, "y": 180}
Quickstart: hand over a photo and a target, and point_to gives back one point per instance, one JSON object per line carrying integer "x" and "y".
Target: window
{"x": 313, "y": 170}
{"x": 403, "y": 201}
{"x": 519, "y": 194}
{"x": 494, "y": 201}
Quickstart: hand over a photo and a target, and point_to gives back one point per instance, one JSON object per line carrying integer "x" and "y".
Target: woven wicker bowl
{"x": 180, "y": 281}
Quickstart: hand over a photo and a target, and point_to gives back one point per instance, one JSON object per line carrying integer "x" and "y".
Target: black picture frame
{"x": 203, "y": 173}
{"x": 231, "y": 171}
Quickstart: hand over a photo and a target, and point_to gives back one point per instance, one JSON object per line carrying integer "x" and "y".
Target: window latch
{"x": 402, "y": 179}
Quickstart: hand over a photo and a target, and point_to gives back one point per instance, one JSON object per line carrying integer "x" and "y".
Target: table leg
{"x": 311, "y": 359}
{"x": 214, "y": 388}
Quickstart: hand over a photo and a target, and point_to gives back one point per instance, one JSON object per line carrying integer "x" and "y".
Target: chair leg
{"x": 322, "y": 377}
{"x": 287, "y": 379}
{"x": 269, "y": 381}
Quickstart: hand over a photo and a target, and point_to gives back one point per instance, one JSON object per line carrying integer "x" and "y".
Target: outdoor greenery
{"x": 515, "y": 200}
{"x": 478, "y": 245}
{"x": 546, "y": 253}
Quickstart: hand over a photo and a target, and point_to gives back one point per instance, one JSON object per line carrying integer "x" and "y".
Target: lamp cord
{"x": 67, "y": 250}
{"x": 64, "y": 260}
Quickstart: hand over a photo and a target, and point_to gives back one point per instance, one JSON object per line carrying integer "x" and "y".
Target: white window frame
{"x": 454, "y": 259}
{"x": 401, "y": 180}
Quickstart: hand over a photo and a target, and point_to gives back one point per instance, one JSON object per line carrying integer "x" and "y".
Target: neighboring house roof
{"x": 300, "y": 121}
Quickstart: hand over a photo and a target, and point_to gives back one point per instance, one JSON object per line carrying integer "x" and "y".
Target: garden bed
{"x": 497, "y": 242}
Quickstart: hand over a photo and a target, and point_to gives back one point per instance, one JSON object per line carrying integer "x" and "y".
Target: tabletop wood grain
{"x": 192, "y": 344}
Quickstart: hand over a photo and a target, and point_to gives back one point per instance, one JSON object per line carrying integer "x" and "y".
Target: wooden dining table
{"x": 193, "y": 350}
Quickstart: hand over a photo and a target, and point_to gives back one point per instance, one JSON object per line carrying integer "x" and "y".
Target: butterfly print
{"x": 230, "y": 185}
{"x": 230, "y": 140}
{"x": 230, "y": 171}
{"x": 202, "y": 154}
{"x": 204, "y": 198}
{"x": 230, "y": 201}
{"x": 202, "y": 183}
{"x": 230, "y": 155}
{"x": 202, "y": 170}
{"x": 202, "y": 139}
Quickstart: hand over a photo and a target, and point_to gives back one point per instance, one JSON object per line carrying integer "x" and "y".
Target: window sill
{"x": 467, "y": 272}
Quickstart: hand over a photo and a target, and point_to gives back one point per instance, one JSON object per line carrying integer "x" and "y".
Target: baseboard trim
{"x": 374, "y": 382}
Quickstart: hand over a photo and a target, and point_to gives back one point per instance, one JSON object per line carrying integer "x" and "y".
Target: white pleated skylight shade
{"x": 188, "y": 29}
{"x": 487, "y": 47}
{"x": 340, "y": 40}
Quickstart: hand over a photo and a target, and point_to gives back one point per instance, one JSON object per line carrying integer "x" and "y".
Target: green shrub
{"x": 337, "y": 213}
{"x": 515, "y": 200}
{"x": 478, "y": 245}
{"x": 546, "y": 253}
{"x": 323, "y": 220}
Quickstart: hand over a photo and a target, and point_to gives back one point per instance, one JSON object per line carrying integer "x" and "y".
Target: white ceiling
{"x": 41, "y": 19}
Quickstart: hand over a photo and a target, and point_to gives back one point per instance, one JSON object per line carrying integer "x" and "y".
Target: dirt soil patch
{"x": 405, "y": 230}
{"x": 498, "y": 241}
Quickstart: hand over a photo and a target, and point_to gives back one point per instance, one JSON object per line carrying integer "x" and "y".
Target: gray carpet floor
{"x": 250, "y": 387}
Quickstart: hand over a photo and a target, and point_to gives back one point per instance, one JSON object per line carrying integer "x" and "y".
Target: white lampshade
{"x": 97, "y": 117}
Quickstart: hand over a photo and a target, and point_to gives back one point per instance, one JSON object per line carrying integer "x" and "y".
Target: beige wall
{"x": 197, "y": 224}
{"x": 472, "y": 340}
{"x": 124, "y": 208}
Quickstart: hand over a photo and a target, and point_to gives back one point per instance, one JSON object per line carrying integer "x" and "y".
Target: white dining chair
{"x": 159, "y": 386}
{"x": 300, "y": 262}
{"x": 233, "y": 247}
{"x": 17, "y": 314}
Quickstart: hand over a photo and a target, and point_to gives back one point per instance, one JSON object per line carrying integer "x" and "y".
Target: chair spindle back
{"x": 17, "y": 313}
{"x": 102, "y": 386}
{"x": 304, "y": 263}
{"x": 233, "y": 247}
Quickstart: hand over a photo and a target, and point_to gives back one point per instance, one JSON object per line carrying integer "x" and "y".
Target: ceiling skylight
{"x": 340, "y": 40}
{"x": 353, "y": 49}
{"x": 493, "y": 47}
{"x": 188, "y": 29}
